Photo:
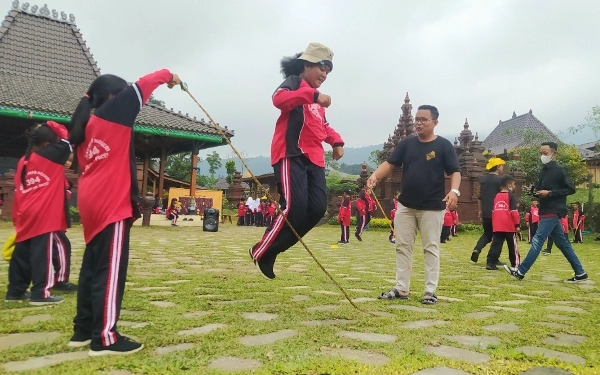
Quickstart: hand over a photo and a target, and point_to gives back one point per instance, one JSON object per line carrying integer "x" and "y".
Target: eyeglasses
{"x": 421, "y": 119}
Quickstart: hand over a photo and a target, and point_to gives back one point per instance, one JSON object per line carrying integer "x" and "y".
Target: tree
{"x": 374, "y": 158}
{"x": 330, "y": 162}
{"x": 158, "y": 102}
{"x": 179, "y": 166}
{"x": 214, "y": 162}
{"x": 230, "y": 168}
{"x": 529, "y": 163}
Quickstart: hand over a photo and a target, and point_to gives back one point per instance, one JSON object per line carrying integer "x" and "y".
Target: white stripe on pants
{"x": 406, "y": 224}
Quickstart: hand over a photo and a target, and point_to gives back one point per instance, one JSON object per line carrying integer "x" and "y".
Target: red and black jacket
{"x": 393, "y": 211}
{"x": 107, "y": 158}
{"x": 301, "y": 127}
{"x": 505, "y": 217}
{"x": 578, "y": 218}
{"x": 241, "y": 209}
{"x": 533, "y": 215}
{"x": 345, "y": 212}
{"x": 448, "y": 218}
{"x": 40, "y": 206}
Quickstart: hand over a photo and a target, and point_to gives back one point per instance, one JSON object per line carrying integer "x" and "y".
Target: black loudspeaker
{"x": 211, "y": 220}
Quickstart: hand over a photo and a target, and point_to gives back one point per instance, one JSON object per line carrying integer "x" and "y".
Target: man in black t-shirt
{"x": 425, "y": 160}
{"x": 489, "y": 186}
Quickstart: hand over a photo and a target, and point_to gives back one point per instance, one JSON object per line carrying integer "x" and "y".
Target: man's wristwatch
{"x": 456, "y": 191}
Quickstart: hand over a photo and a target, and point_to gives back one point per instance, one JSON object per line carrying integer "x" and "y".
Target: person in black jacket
{"x": 553, "y": 186}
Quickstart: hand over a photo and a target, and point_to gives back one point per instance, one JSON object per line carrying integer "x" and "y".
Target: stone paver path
{"x": 366, "y": 336}
{"x": 441, "y": 371}
{"x": 420, "y": 324}
{"x": 173, "y": 348}
{"x": 261, "y": 317}
{"x": 20, "y": 339}
{"x": 201, "y": 330}
{"x": 502, "y": 327}
{"x": 563, "y": 339}
{"x": 480, "y": 315}
{"x": 457, "y": 354}
{"x": 36, "y": 318}
{"x": 481, "y": 342}
{"x": 234, "y": 364}
{"x": 548, "y": 353}
{"x": 363, "y": 356}
{"x": 545, "y": 371}
{"x": 47, "y": 360}
{"x": 268, "y": 338}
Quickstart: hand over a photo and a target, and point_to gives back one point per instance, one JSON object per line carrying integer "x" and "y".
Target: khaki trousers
{"x": 406, "y": 223}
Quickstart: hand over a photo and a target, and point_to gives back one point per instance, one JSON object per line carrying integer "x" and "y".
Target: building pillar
{"x": 161, "y": 172}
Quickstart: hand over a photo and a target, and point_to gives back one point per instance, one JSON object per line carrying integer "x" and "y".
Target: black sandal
{"x": 393, "y": 294}
{"x": 429, "y": 299}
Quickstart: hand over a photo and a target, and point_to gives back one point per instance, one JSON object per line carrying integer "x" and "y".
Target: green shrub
{"x": 469, "y": 227}
{"x": 375, "y": 223}
{"x": 74, "y": 212}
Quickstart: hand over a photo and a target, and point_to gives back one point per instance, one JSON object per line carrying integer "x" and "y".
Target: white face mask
{"x": 546, "y": 159}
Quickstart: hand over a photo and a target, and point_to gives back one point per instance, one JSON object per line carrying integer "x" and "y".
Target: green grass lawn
{"x": 211, "y": 283}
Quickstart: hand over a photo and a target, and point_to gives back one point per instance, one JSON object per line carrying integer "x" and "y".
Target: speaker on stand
{"x": 211, "y": 220}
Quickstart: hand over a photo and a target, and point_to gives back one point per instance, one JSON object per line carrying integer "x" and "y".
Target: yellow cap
{"x": 494, "y": 162}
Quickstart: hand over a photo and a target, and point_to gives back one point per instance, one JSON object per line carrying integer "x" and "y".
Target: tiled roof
{"x": 45, "y": 66}
{"x": 590, "y": 150}
{"x": 519, "y": 131}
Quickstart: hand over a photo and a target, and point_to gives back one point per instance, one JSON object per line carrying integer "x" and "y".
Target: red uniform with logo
{"x": 344, "y": 219}
{"x": 43, "y": 189}
{"x": 447, "y": 224}
{"x": 109, "y": 179}
{"x": 241, "y": 213}
{"x": 578, "y": 219}
{"x": 532, "y": 217}
{"x": 505, "y": 219}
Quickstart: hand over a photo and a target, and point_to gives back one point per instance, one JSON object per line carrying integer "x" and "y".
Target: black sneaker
{"x": 357, "y": 236}
{"x": 341, "y": 242}
{"x": 491, "y": 267}
{"x": 265, "y": 266}
{"x": 66, "y": 287}
{"x": 80, "y": 338}
{"x": 577, "y": 279}
{"x": 500, "y": 264}
{"x": 475, "y": 256}
{"x": 20, "y": 298}
{"x": 52, "y": 300}
{"x": 546, "y": 252}
{"x": 123, "y": 346}
{"x": 514, "y": 272}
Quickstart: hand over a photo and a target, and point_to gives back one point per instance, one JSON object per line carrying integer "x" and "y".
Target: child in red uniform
{"x": 241, "y": 212}
{"x": 505, "y": 219}
{"x": 392, "y": 236}
{"x": 455, "y": 222}
{"x": 448, "y": 222}
{"x": 361, "y": 214}
{"x": 564, "y": 221}
{"x": 297, "y": 153}
{"x": 40, "y": 177}
{"x": 173, "y": 212}
{"x": 371, "y": 206}
{"x": 532, "y": 218}
{"x": 578, "y": 218}
{"x": 107, "y": 160}
{"x": 344, "y": 217}
{"x": 271, "y": 211}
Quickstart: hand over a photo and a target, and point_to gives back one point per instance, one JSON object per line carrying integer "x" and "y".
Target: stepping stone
{"x": 382, "y": 314}
{"x": 412, "y": 308}
{"x": 234, "y": 302}
{"x": 296, "y": 287}
{"x": 352, "y": 278}
{"x": 201, "y": 330}
{"x": 176, "y": 281}
{"x": 261, "y": 317}
{"x": 366, "y": 336}
{"x": 149, "y": 288}
{"x": 420, "y": 324}
{"x": 502, "y": 327}
{"x": 18, "y": 339}
{"x": 47, "y": 360}
{"x": 268, "y": 338}
{"x": 545, "y": 371}
{"x": 480, "y": 315}
{"x": 450, "y": 299}
{"x": 527, "y": 296}
{"x": 480, "y": 295}
{"x": 563, "y": 339}
{"x": 511, "y": 309}
{"x": 441, "y": 371}
{"x": 542, "y": 292}
{"x": 131, "y": 312}
{"x": 548, "y": 353}
{"x": 481, "y": 342}
{"x": 234, "y": 364}
{"x": 572, "y": 309}
{"x": 360, "y": 290}
{"x": 561, "y": 317}
{"x": 36, "y": 318}
{"x": 457, "y": 354}
{"x": 327, "y": 292}
{"x": 208, "y": 295}
{"x": 362, "y": 356}
{"x": 313, "y": 323}
{"x": 360, "y": 299}
{"x": 133, "y": 324}
{"x": 163, "y": 303}
{"x": 512, "y": 303}
{"x": 165, "y": 293}
{"x": 300, "y": 298}
{"x": 173, "y": 348}
{"x": 553, "y": 325}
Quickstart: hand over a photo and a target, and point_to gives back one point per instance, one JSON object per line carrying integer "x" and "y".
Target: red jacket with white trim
{"x": 505, "y": 216}
{"x": 301, "y": 127}
{"x": 448, "y": 218}
{"x": 393, "y": 211}
{"x": 344, "y": 214}
{"x": 107, "y": 158}
{"x": 578, "y": 218}
{"x": 361, "y": 207}
{"x": 532, "y": 215}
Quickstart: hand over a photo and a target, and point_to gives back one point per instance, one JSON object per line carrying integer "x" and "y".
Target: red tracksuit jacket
{"x": 565, "y": 224}
{"x": 578, "y": 218}
{"x": 44, "y": 189}
{"x": 532, "y": 215}
{"x": 505, "y": 216}
{"x": 241, "y": 209}
{"x": 448, "y": 219}
{"x": 301, "y": 127}
{"x": 361, "y": 207}
{"x": 344, "y": 214}
{"x": 393, "y": 211}
{"x": 107, "y": 158}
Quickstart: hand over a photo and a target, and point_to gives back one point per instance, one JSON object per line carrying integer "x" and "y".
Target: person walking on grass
{"x": 552, "y": 188}
{"x": 425, "y": 160}
{"x": 489, "y": 186}
{"x": 297, "y": 152}
{"x": 505, "y": 220}
{"x": 344, "y": 217}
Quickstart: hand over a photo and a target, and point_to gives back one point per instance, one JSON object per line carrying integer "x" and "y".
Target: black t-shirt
{"x": 424, "y": 165}
{"x": 489, "y": 186}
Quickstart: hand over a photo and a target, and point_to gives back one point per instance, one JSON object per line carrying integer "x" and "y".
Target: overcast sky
{"x": 479, "y": 60}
